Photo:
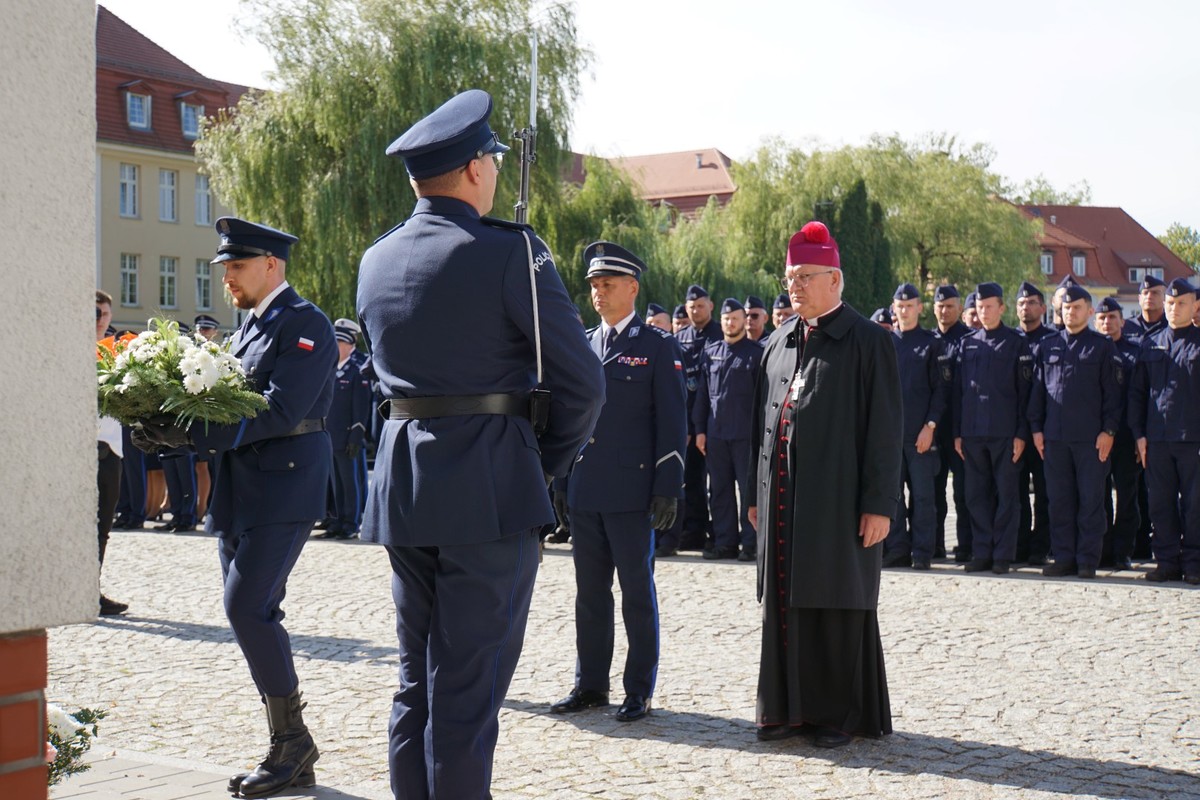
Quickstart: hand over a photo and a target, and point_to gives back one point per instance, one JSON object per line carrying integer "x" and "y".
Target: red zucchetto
{"x": 813, "y": 245}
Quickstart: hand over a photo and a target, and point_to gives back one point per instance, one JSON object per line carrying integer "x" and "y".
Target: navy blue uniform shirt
{"x": 350, "y": 413}
{"x": 1164, "y": 400}
{"x": 692, "y": 342}
{"x": 924, "y": 386}
{"x": 728, "y": 375}
{"x": 1078, "y": 387}
{"x": 994, "y": 371}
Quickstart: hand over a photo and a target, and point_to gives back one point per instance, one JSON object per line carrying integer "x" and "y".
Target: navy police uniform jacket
{"x": 692, "y": 342}
{"x": 1078, "y": 387}
{"x": 1128, "y": 351}
{"x": 728, "y": 375}
{"x": 477, "y": 478}
{"x": 924, "y": 379}
{"x": 636, "y": 451}
{"x": 350, "y": 413}
{"x": 993, "y": 376}
{"x": 1138, "y": 329}
{"x": 263, "y": 475}
{"x": 1164, "y": 400}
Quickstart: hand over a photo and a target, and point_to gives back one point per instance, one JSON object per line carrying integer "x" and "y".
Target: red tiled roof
{"x": 678, "y": 177}
{"x": 125, "y": 59}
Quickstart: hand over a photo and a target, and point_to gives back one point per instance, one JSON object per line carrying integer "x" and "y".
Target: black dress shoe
{"x": 921, "y": 563}
{"x": 166, "y": 527}
{"x": 634, "y": 707}
{"x": 773, "y": 733}
{"x": 830, "y": 738}
{"x": 1123, "y": 563}
{"x": 1061, "y": 568}
{"x": 578, "y": 700}
{"x": 978, "y": 565}
{"x": 1163, "y": 574}
{"x": 897, "y": 560}
{"x": 748, "y": 555}
{"x": 962, "y": 556}
{"x": 111, "y": 608}
{"x": 1086, "y": 572}
{"x": 665, "y": 551}
{"x": 561, "y": 535}
{"x": 719, "y": 553}
{"x": 1036, "y": 561}
{"x": 1001, "y": 567}
{"x": 1191, "y": 578}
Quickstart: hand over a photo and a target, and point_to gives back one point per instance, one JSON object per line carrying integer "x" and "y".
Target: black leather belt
{"x": 458, "y": 406}
{"x": 306, "y": 426}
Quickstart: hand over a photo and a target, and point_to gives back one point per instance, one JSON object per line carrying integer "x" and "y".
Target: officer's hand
{"x": 560, "y": 508}
{"x": 958, "y": 447}
{"x": 1141, "y": 451}
{"x": 1018, "y": 448}
{"x": 1039, "y": 441}
{"x": 352, "y": 449}
{"x": 142, "y": 441}
{"x": 925, "y": 439}
{"x": 1104, "y": 444}
{"x": 873, "y": 528}
{"x": 702, "y": 443}
{"x": 164, "y": 432}
{"x": 752, "y": 514}
{"x": 662, "y": 512}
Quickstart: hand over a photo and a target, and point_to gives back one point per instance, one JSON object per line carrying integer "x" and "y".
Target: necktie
{"x": 609, "y": 338}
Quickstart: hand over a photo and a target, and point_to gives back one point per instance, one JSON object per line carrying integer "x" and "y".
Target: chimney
{"x": 699, "y": 161}
{"x": 1053, "y": 219}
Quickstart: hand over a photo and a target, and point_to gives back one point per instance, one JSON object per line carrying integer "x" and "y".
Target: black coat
{"x": 844, "y": 454}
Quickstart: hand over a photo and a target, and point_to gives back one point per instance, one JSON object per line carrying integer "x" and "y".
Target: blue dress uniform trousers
{"x": 1075, "y": 478}
{"x": 458, "y": 656}
{"x": 1123, "y": 480}
{"x": 694, "y": 528}
{"x": 729, "y": 467}
{"x": 349, "y": 418}
{"x": 179, "y": 471}
{"x": 604, "y": 541}
{"x": 1173, "y": 477}
{"x": 952, "y": 470}
{"x": 992, "y": 496}
{"x": 917, "y": 471}
{"x": 131, "y": 507}
{"x": 1033, "y": 530}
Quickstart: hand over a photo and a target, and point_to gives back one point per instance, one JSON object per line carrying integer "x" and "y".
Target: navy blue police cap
{"x": 203, "y": 322}
{"x": 346, "y": 330}
{"x": 906, "y": 291}
{"x": 1068, "y": 280}
{"x": 453, "y": 135}
{"x": 1109, "y": 304}
{"x": 242, "y": 239}
{"x": 782, "y": 301}
{"x": 755, "y": 302}
{"x": 731, "y": 305}
{"x": 970, "y": 301}
{"x": 1076, "y": 292}
{"x": 605, "y": 258}
{"x": 882, "y": 316}
{"x": 1180, "y": 288}
{"x": 1151, "y": 282}
{"x": 653, "y": 309}
{"x": 945, "y": 292}
{"x": 1027, "y": 289}
{"x": 680, "y": 312}
{"x": 184, "y": 328}
{"x": 695, "y": 292}
{"x": 985, "y": 290}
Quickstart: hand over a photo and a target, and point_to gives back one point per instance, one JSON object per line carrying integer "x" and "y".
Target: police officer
{"x": 460, "y": 490}
{"x": 1125, "y": 473}
{"x": 349, "y": 416}
{"x": 657, "y": 317}
{"x": 947, "y": 310}
{"x": 627, "y": 479}
{"x": 994, "y": 370}
{"x": 756, "y": 318}
{"x": 882, "y": 317}
{"x": 1074, "y": 412}
{"x": 207, "y": 326}
{"x": 1151, "y": 319}
{"x": 970, "y": 316}
{"x": 272, "y": 472}
{"x": 1033, "y": 533}
{"x": 679, "y": 318}
{"x": 926, "y": 392}
{"x": 781, "y": 310}
{"x": 721, "y": 419}
{"x": 1164, "y": 413}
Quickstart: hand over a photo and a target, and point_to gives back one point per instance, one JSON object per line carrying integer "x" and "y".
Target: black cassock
{"x": 828, "y": 445}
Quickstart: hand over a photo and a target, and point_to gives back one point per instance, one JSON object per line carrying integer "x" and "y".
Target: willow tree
{"x": 351, "y": 76}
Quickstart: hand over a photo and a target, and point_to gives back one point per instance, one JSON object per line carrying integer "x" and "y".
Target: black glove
{"x": 560, "y": 508}
{"x": 662, "y": 512}
{"x": 142, "y": 441}
{"x": 163, "y": 431}
{"x": 352, "y": 449}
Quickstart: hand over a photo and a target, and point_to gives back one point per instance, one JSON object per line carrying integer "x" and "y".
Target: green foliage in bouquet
{"x": 71, "y": 736}
{"x": 162, "y": 371}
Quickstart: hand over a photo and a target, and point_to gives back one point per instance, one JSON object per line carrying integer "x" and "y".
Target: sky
{"x": 1101, "y": 91}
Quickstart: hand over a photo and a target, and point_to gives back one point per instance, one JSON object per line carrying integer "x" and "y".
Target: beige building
{"x": 154, "y": 209}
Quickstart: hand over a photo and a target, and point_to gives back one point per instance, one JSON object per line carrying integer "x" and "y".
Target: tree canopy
{"x": 1183, "y": 241}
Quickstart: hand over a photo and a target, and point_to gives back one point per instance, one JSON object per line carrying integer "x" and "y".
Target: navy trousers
{"x": 179, "y": 471}
{"x": 623, "y": 541}
{"x": 951, "y": 464}
{"x": 1033, "y": 532}
{"x": 1173, "y": 481}
{"x": 131, "y": 507}
{"x": 729, "y": 469}
{"x": 256, "y": 566}
{"x": 992, "y": 496}
{"x": 347, "y": 493}
{"x": 460, "y": 620}
{"x": 696, "y": 525}
{"x": 1075, "y": 484}
{"x": 917, "y": 471}
{"x": 1123, "y": 479}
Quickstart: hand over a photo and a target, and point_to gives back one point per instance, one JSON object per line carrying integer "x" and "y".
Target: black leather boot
{"x": 290, "y": 760}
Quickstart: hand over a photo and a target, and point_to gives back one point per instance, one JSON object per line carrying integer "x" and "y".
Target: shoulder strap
{"x": 537, "y": 326}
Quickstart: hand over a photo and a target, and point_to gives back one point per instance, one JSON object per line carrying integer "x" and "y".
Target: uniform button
{"x": 592, "y": 440}
{"x": 212, "y": 452}
{"x": 291, "y": 465}
{"x": 768, "y": 430}
{"x": 774, "y": 405}
{"x": 628, "y": 377}
{"x": 783, "y": 380}
{"x": 641, "y": 466}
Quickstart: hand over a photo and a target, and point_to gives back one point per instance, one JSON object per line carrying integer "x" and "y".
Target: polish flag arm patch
{"x": 305, "y": 344}
{"x": 679, "y": 365}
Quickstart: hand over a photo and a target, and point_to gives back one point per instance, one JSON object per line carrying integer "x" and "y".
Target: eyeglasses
{"x": 802, "y": 280}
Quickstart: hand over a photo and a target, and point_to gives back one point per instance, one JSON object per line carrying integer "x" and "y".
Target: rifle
{"x": 528, "y": 138}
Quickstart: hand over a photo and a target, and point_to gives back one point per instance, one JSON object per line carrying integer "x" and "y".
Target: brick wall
{"x": 23, "y": 716}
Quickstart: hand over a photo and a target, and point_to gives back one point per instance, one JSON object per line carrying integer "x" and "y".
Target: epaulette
{"x": 661, "y": 333}
{"x": 302, "y": 304}
{"x": 505, "y": 223}
{"x": 591, "y": 330}
{"x": 389, "y": 233}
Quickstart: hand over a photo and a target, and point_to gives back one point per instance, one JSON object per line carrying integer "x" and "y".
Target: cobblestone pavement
{"x": 1002, "y": 687}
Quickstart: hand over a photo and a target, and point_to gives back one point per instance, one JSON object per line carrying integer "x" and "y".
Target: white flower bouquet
{"x": 69, "y": 736}
{"x": 163, "y": 372}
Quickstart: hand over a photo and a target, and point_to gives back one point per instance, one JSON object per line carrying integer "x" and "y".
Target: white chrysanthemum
{"x": 193, "y": 384}
{"x": 102, "y": 379}
{"x": 63, "y": 724}
{"x": 130, "y": 379}
{"x": 122, "y": 360}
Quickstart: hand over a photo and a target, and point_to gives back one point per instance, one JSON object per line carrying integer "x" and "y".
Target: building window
{"x": 1079, "y": 264}
{"x": 1138, "y": 274}
{"x": 167, "y": 180}
{"x": 129, "y": 279}
{"x": 203, "y": 285}
{"x": 191, "y": 116}
{"x": 1047, "y": 262}
{"x": 137, "y": 110}
{"x": 168, "y": 266}
{"x": 129, "y": 190}
{"x": 203, "y": 201}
